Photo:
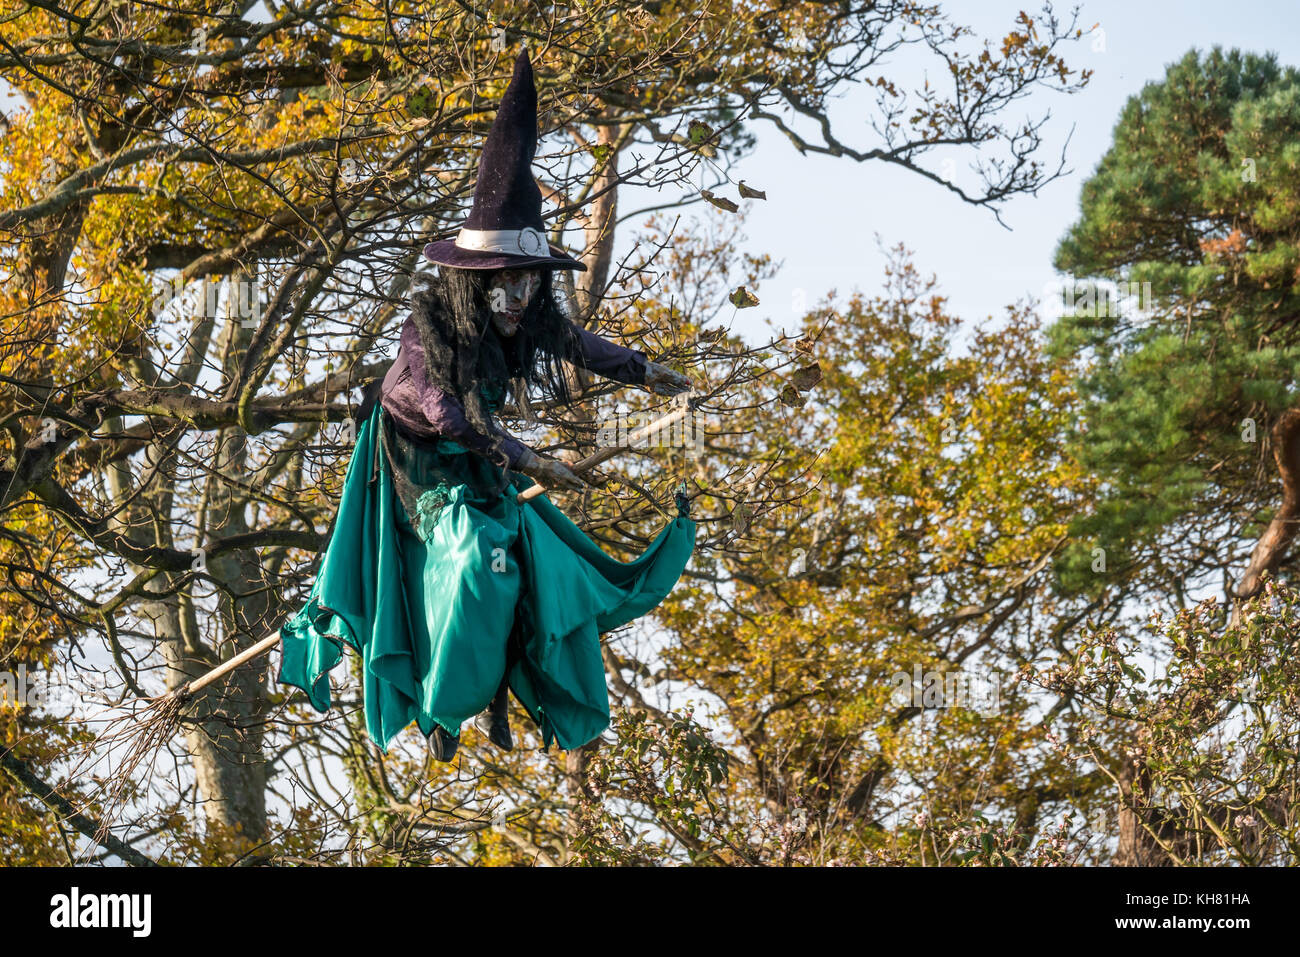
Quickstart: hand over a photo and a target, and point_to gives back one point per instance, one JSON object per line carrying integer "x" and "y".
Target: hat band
{"x": 519, "y": 242}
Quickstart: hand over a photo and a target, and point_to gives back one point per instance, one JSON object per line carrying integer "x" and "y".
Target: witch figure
{"x": 452, "y": 592}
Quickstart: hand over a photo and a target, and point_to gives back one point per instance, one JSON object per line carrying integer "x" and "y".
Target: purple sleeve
{"x": 444, "y": 412}
{"x": 610, "y": 360}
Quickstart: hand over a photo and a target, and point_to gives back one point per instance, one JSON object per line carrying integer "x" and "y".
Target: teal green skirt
{"x": 429, "y": 605}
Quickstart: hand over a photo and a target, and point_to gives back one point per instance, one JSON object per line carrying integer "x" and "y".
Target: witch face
{"x": 509, "y": 293}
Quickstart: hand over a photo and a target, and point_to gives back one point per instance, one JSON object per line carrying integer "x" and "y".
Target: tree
{"x": 1198, "y": 753}
{"x": 892, "y": 510}
{"x": 1189, "y": 420}
{"x": 173, "y": 460}
{"x": 1191, "y": 413}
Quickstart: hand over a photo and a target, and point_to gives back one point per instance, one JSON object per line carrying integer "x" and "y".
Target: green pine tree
{"x": 1188, "y": 398}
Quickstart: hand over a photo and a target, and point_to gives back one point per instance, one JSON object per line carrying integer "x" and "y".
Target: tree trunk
{"x": 598, "y": 227}
{"x": 1273, "y": 544}
{"x": 226, "y": 744}
{"x": 1136, "y": 849}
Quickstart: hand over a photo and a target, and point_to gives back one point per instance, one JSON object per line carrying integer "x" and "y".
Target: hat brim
{"x": 445, "y": 252}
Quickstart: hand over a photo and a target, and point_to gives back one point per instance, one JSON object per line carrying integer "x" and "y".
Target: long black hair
{"x": 462, "y": 350}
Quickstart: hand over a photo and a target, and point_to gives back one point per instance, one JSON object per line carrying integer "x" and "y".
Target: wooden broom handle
{"x": 266, "y": 644}
{"x": 591, "y": 461}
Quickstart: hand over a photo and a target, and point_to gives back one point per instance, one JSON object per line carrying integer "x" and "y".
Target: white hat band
{"x": 518, "y": 242}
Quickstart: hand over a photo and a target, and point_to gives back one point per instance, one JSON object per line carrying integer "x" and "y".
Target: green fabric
{"x": 430, "y": 619}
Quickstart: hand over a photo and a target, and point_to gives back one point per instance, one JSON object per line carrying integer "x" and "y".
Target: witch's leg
{"x": 442, "y": 744}
{"x": 495, "y": 721}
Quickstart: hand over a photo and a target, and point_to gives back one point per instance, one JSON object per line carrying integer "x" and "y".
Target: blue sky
{"x": 822, "y": 215}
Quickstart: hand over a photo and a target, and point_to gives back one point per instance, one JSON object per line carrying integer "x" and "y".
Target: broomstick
{"x": 591, "y": 461}
{"x": 163, "y": 713}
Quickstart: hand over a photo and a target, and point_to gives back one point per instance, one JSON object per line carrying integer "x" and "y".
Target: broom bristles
{"x": 142, "y": 736}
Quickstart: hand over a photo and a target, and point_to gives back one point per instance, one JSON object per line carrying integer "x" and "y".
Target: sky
{"x": 822, "y": 215}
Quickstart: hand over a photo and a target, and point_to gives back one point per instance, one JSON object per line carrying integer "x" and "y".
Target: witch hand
{"x": 556, "y": 473}
{"x": 549, "y": 472}
{"x": 665, "y": 381}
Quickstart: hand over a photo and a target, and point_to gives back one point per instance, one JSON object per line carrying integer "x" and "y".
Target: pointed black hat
{"x": 504, "y": 229}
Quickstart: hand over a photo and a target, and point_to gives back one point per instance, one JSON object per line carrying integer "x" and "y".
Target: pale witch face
{"x": 509, "y": 293}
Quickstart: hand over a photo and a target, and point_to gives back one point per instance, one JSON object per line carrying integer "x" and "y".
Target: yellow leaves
{"x": 957, "y": 459}
{"x": 1013, "y": 42}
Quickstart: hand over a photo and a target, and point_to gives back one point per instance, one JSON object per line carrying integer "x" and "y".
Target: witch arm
{"x": 604, "y": 358}
{"x": 440, "y": 411}
{"x": 628, "y": 365}
{"x": 600, "y": 356}
{"x": 447, "y": 415}
{"x": 610, "y": 360}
